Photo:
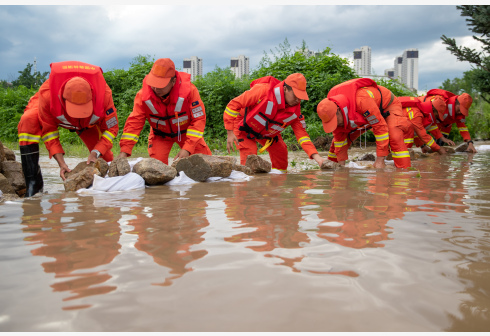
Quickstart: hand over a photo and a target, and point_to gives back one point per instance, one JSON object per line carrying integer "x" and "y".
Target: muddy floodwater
{"x": 345, "y": 250}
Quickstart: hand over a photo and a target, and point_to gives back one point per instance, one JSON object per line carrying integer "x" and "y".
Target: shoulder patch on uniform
{"x": 195, "y": 103}
{"x": 365, "y": 114}
{"x": 111, "y": 122}
{"x": 109, "y": 111}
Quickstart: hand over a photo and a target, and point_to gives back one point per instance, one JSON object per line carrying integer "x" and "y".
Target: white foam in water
{"x": 483, "y": 147}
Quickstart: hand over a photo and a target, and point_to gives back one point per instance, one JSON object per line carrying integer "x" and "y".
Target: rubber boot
{"x": 29, "y": 156}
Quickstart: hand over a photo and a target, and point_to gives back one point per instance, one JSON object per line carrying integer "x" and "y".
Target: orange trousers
{"x": 278, "y": 151}
{"x": 159, "y": 147}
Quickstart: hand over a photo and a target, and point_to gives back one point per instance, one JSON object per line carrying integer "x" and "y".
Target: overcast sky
{"x": 111, "y": 36}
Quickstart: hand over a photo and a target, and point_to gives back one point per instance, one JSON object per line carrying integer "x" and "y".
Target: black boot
{"x": 29, "y": 156}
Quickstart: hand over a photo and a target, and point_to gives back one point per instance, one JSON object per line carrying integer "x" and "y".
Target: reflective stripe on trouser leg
{"x": 399, "y": 150}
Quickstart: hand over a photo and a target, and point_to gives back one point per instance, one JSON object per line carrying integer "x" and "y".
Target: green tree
{"x": 30, "y": 80}
{"x": 478, "y": 20}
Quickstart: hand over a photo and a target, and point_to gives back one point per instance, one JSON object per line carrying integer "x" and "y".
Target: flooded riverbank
{"x": 311, "y": 250}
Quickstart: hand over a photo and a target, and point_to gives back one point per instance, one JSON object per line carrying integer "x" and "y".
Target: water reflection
{"x": 78, "y": 245}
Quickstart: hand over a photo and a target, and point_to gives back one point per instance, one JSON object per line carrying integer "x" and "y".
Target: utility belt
{"x": 252, "y": 134}
{"x": 167, "y": 135}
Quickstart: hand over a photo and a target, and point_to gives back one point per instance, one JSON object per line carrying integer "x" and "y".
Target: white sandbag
{"x": 130, "y": 181}
{"x": 234, "y": 176}
{"x": 353, "y": 164}
{"x": 182, "y": 179}
{"x": 275, "y": 171}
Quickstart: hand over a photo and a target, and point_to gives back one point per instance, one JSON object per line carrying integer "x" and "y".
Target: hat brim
{"x": 158, "y": 82}
{"x": 464, "y": 110}
{"x": 331, "y": 125}
{"x": 300, "y": 94}
{"x": 79, "y": 111}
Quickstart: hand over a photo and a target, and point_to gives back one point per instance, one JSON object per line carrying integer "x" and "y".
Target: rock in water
{"x": 327, "y": 165}
{"x": 200, "y": 167}
{"x": 119, "y": 167}
{"x": 462, "y": 147}
{"x": 12, "y": 170}
{"x": 81, "y": 179}
{"x": 366, "y": 157}
{"x": 100, "y": 164}
{"x": 257, "y": 164}
{"x": 154, "y": 171}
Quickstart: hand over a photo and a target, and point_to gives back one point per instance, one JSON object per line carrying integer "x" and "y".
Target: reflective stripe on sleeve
{"x": 51, "y": 136}
{"x": 303, "y": 140}
{"x": 109, "y": 136}
{"x": 332, "y": 155}
{"x": 431, "y": 142}
{"x": 194, "y": 133}
{"x": 231, "y": 113}
{"x": 463, "y": 129}
{"x": 408, "y": 141}
{"x": 129, "y": 136}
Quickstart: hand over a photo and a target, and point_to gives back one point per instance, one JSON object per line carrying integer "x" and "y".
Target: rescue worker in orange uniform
{"x": 76, "y": 97}
{"x": 422, "y": 115}
{"x": 262, "y": 113}
{"x": 355, "y": 106}
{"x": 175, "y": 111}
{"x": 457, "y": 109}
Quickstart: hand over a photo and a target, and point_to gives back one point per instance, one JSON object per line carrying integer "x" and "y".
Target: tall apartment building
{"x": 398, "y": 68}
{"x": 410, "y": 68}
{"x": 240, "y": 65}
{"x": 362, "y": 61}
{"x": 193, "y": 66}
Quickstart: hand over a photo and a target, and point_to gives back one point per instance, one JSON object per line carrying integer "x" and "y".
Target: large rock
{"x": 200, "y": 167}
{"x": 461, "y": 148}
{"x": 236, "y": 166}
{"x": 119, "y": 167}
{"x": 322, "y": 143}
{"x": 449, "y": 150}
{"x": 5, "y": 186}
{"x": 2, "y": 152}
{"x": 12, "y": 170}
{"x": 81, "y": 179}
{"x": 154, "y": 171}
{"x": 9, "y": 154}
{"x": 100, "y": 164}
{"x": 367, "y": 157}
{"x": 257, "y": 164}
{"x": 329, "y": 165}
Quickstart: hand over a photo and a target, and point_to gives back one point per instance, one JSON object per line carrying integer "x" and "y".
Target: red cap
{"x": 298, "y": 83}
{"x": 161, "y": 73}
{"x": 327, "y": 111}
{"x": 78, "y": 98}
{"x": 465, "y": 102}
{"x": 439, "y": 104}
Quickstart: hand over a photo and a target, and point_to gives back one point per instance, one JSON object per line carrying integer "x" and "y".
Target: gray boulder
{"x": 367, "y": 157}
{"x": 154, "y": 171}
{"x": 5, "y": 186}
{"x": 12, "y": 170}
{"x": 200, "y": 167}
{"x": 100, "y": 164}
{"x": 257, "y": 164}
{"x": 81, "y": 179}
{"x": 119, "y": 167}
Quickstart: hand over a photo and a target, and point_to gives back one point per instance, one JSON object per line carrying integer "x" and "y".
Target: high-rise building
{"x": 362, "y": 61}
{"x": 398, "y": 68}
{"x": 410, "y": 68}
{"x": 193, "y": 66}
{"x": 390, "y": 73}
{"x": 240, "y": 65}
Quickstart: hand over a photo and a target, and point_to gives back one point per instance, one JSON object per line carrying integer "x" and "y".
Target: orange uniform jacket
{"x": 235, "y": 109}
{"x": 446, "y": 125}
{"x": 136, "y": 122}
{"x": 108, "y": 126}
{"x": 417, "y": 119}
{"x": 367, "y": 104}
